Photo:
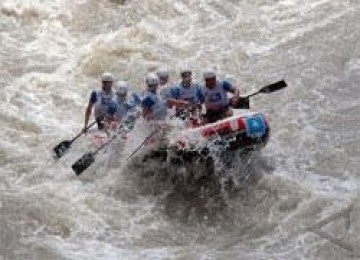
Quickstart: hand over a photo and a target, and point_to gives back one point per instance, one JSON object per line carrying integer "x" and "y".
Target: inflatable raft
{"x": 245, "y": 131}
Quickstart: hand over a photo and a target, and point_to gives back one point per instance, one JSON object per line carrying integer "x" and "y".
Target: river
{"x": 52, "y": 54}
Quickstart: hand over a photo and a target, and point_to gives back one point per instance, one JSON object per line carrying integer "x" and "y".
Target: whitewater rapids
{"x": 52, "y": 53}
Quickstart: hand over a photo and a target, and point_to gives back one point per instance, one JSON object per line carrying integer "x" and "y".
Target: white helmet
{"x": 106, "y": 76}
{"x": 162, "y": 73}
{"x": 152, "y": 79}
{"x": 209, "y": 74}
{"x": 122, "y": 87}
{"x": 185, "y": 70}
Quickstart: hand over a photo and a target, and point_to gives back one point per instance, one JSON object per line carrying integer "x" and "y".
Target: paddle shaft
{"x": 62, "y": 147}
{"x": 269, "y": 88}
{"x": 87, "y": 159}
{"x": 82, "y": 131}
{"x": 253, "y": 94}
{"x": 107, "y": 142}
{"x": 141, "y": 145}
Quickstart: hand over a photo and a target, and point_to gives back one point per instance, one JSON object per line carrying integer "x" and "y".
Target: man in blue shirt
{"x": 216, "y": 97}
{"x": 126, "y": 102}
{"x": 154, "y": 106}
{"x": 164, "y": 83}
{"x": 103, "y": 103}
{"x": 188, "y": 91}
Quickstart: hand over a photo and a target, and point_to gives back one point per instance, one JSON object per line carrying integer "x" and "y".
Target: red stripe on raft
{"x": 216, "y": 129}
{"x": 241, "y": 123}
{"x": 223, "y": 128}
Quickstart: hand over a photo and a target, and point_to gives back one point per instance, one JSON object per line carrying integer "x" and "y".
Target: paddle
{"x": 244, "y": 101}
{"x": 64, "y": 146}
{"x": 141, "y": 145}
{"x": 87, "y": 159}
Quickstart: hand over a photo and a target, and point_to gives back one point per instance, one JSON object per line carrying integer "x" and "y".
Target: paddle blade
{"x": 83, "y": 163}
{"x": 62, "y": 148}
{"x": 273, "y": 87}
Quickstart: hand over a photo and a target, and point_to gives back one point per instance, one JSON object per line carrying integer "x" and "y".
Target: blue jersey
{"x": 104, "y": 103}
{"x": 193, "y": 93}
{"x": 216, "y": 98}
{"x": 129, "y": 105}
{"x": 166, "y": 91}
{"x": 155, "y": 104}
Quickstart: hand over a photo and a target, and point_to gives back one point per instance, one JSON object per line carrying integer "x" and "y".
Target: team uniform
{"x": 193, "y": 94}
{"x": 165, "y": 91}
{"x": 216, "y": 100}
{"x": 127, "y": 106}
{"x": 153, "y": 102}
{"x": 104, "y": 105}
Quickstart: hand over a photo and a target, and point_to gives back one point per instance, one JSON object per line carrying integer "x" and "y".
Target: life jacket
{"x": 159, "y": 109}
{"x": 190, "y": 94}
{"x": 216, "y": 98}
{"x": 165, "y": 91}
{"x": 127, "y": 106}
{"x": 104, "y": 101}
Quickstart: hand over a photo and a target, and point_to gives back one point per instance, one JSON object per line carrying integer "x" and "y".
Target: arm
{"x": 110, "y": 118}
{"x": 147, "y": 104}
{"x": 228, "y": 87}
{"x": 232, "y": 89}
{"x": 235, "y": 91}
{"x": 88, "y": 114}
{"x": 89, "y": 107}
{"x": 177, "y": 103}
{"x": 137, "y": 100}
{"x": 201, "y": 98}
{"x": 147, "y": 113}
{"x": 236, "y": 101}
{"x": 174, "y": 100}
